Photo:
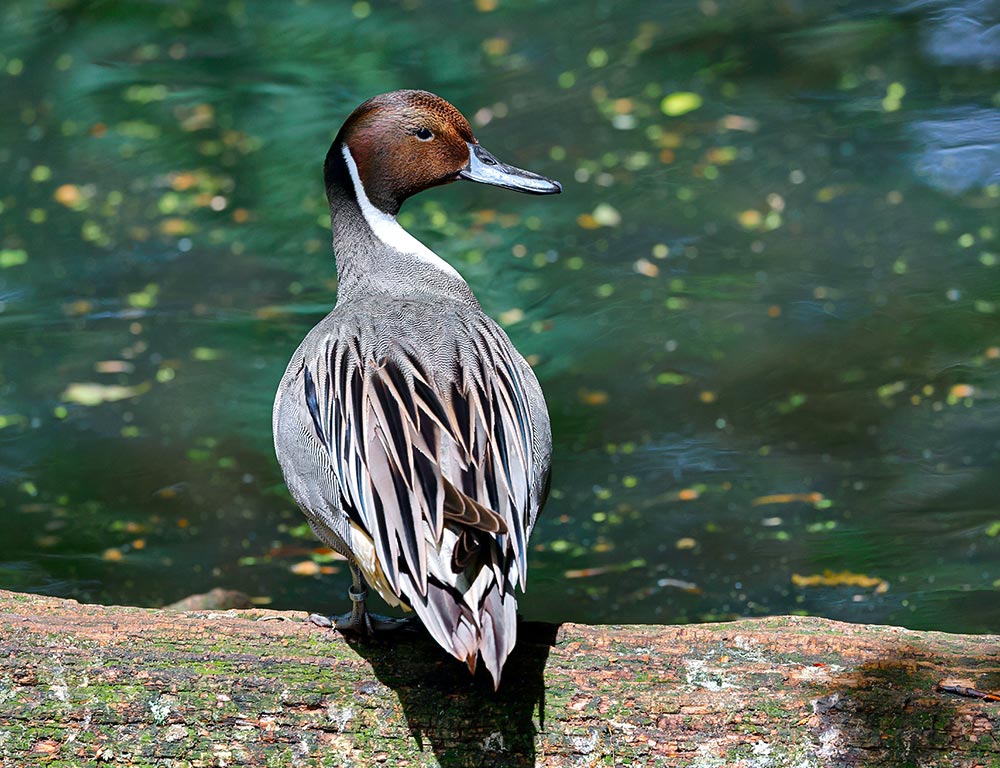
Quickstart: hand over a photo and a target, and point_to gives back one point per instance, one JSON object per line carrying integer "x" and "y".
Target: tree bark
{"x": 88, "y": 685}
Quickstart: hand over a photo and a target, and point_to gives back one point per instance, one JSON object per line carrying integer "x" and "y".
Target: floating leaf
{"x": 112, "y": 555}
{"x": 68, "y": 195}
{"x": 686, "y": 586}
{"x": 787, "y": 498}
{"x": 205, "y": 354}
{"x": 646, "y": 267}
{"x": 672, "y": 378}
{"x": 146, "y": 298}
{"x": 680, "y": 103}
{"x": 739, "y": 123}
{"x": 592, "y": 396}
{"x": 305, "y": 568}
{"x": 511, "y": 316}
{"x": 888, "y": 390}
{"x": 170, "y": 491}
{"x": 583, "y": 573}
{"x": 607, "y": 215}
{"x": 261, "y": 600}
{"x": 326, "y": 555}
{"x": 176, "y": 226}
{"x": 90, "y": 393}
{"x": 842, "y": 579}
{"x": 11, "y": 419}
{"x": 13, "y": 257}
{"x": 113, "y": 366}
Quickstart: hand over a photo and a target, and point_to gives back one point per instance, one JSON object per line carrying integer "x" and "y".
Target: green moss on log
{"x": 81, "y": 685}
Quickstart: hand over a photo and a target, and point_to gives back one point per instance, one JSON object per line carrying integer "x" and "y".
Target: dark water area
{"x": 764, "y": 311}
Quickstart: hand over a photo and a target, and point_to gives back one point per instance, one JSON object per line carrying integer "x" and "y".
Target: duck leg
{"x": 359, "y": 622}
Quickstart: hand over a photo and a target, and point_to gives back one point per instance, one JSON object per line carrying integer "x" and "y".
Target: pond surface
{"x": 764, "y": 311}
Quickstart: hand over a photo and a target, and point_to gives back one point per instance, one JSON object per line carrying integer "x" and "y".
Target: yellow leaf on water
{"x": 205, "y": 354}
{"x": 592, "y": 396}
{"x": 647, "y": 268}
{"x": 788, "y": 498}
{"x": 496, "y": 46}
{"x": 328, "y": 553}
{"x": 961, "y": 390}
{"x": 680, "y": 103}
{"x": 13, "y": 257}
{"x": 91, "y": 393}
{"x": 113, "y": 366}
{"x": 176, "y": 226}
{"x": 261, "y": 599}
{"x": 183, "y": 180}
{"x": 511, "y": 316}
{"x": 600, "y": 570}
{"x": 270, "y": 312}
{"x": 842, "y": 579}
{"x": 739, "y": 123}
{"x": 306, "y": 568}
{"x": 78, "y": 307}
{"x": 607, "y": 215}
{"x": 68, "y": 194}
{"x": 583, "y": 573}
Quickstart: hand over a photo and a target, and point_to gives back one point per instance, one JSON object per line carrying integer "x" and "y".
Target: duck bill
{"x": 486, "y": 169}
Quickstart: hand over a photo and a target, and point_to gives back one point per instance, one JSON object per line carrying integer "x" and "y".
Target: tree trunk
{"x": 87, "y": 684}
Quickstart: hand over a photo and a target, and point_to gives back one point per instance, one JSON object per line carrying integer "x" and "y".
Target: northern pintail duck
{"x": 409, "y": 429}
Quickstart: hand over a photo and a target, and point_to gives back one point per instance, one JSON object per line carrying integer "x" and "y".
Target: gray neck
{"x": 375, "y": 255}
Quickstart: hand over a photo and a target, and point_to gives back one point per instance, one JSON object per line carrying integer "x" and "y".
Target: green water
{"x": 764, "y": 310}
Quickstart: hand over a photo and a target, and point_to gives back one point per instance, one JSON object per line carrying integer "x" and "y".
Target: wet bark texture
{"x": 88, "y": 685}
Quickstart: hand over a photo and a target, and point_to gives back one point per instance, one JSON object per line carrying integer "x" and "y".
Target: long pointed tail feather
{"x": 470, "y": 619}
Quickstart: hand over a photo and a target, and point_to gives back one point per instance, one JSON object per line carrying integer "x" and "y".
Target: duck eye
{"x": 424, "y": 134}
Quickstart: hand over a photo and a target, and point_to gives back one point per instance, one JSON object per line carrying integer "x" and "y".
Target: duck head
{"x": 406, "y": 141}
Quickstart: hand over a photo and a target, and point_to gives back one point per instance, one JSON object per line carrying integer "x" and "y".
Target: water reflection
{"x": 764, "y": 310}
{"x": 959, "y": 150}
{"x": 965, "y": 33}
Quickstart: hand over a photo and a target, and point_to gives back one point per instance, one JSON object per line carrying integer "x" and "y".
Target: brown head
{"x": 407, "y": 141}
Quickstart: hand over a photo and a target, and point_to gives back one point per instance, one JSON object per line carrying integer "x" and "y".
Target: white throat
{"x": 387, "y": 229}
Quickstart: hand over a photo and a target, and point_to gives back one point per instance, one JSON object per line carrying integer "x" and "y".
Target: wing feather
{"x": 435, "y": 468}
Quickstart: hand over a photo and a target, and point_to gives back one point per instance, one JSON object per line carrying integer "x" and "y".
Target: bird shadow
{"x": 463, "y": 720}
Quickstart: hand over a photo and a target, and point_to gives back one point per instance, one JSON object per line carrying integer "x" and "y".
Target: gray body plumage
{"x": 416, "y": 440}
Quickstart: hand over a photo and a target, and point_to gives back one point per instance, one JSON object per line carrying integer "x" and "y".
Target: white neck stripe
{"x": 387, "y": 229}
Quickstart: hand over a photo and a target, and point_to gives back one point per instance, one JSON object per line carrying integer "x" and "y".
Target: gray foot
{"x": 359, "y": 622}
{"x": 370, "y": 625}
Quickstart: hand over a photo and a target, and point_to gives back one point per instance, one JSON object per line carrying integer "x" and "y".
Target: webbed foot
{"x": 359, "y": 622}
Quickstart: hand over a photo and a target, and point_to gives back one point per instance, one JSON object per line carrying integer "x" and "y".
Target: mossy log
{"x": 88, "y": 685}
